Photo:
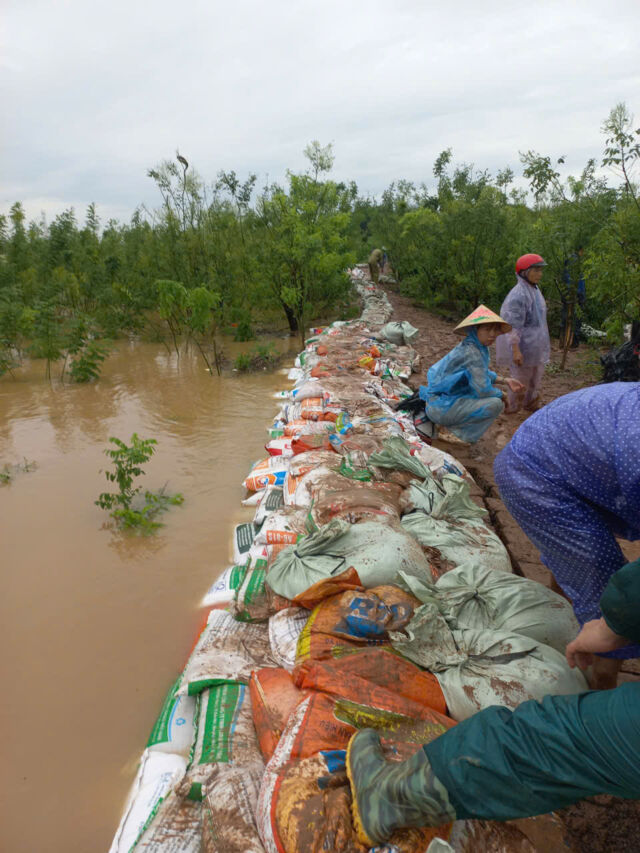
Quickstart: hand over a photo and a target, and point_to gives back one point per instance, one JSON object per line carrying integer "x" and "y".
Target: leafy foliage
{"x": 227, "y": 254}
{"x": 127, "y": 460}
{"x": 87, "y": 363}
{"x": 261, "y": 357}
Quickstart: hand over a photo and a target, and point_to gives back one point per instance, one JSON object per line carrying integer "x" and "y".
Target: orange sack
{"x": 301, "y": 443}
{"x": 353, "y": 620}
{"x": 377, "y": 677}
{"x": 305, "y": 798}
{"x": 273, "y": 698}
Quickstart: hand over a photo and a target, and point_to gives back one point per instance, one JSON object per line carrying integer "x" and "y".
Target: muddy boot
{"x": 391, "y": 795}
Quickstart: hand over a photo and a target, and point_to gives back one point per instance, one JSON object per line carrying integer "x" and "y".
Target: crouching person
{"x": 461, "y": 399}
{"x": 502, "y": 764}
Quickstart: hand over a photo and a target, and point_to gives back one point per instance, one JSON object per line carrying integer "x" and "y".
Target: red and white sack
{"x": 267, "y": 472}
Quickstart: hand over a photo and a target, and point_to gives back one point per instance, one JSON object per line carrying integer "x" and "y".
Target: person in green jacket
{"x": 375, "y": 262}
{"x": 502, "y": 764}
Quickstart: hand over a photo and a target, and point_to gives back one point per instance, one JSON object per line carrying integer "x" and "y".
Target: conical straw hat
{"x": 478, "y": 317}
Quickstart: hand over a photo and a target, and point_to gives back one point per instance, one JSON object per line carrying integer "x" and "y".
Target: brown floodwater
{"x": 96, "y": 625}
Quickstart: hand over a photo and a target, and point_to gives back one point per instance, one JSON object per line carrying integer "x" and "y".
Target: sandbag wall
{"x": 367, "y": 591}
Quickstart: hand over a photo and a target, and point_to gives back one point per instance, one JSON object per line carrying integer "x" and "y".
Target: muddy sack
{"x": 438, "y": 461}
{"x": 377, "y": 677}
{"x": 280, "y": 446}
{"x": 473, "y": 596}
{"x": 448, "y": 497}
{"x": 175, "y": 828}
{"x": 158, "y": 776}
{"x": 244, "y": 546}
{"x": 225, "y": 735}
{"x": 396, "y": 455}
{"x": 376, "y": 551}
{"x": 305, "y": 803}
{"x": 305, "y": 442}
{"x": 299, "y": 427}
{"x": 330, "y": 586}
{"x": 356, "y": 449}
{"x": 350, "y": 621}
{"x": 451, "y": 543}
{"x": 251, "y": 602}
{"x": 480, "y": 668}
{"x": 226, "y": 650}
{"x": 285, "y": 628}
{"x": 446, "y": 519}
{"x": 311, "y": 460}
{"x": 307, "y": 388}
{"x": 399, "y": 332}
{"x": 273, "y": 698}
{"x": 229, "y": 807}
{"x": 285, "y": 526}
{"x": 337, "y": 497}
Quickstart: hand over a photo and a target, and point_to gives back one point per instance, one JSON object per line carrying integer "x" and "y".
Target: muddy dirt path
{"x": 601, "y": 824}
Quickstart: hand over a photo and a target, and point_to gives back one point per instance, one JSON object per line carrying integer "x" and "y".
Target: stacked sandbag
{"x": 480, "y": 667}
{"x": 204, "y": 737}
{"x": 366, "y": 591}
{"x": 473, "y": 596}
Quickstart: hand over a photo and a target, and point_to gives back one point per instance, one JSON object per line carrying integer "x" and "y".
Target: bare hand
{"x": 517, "y": 357}
{"x": 595, "y": 637}
{"x": 515, "y": 386}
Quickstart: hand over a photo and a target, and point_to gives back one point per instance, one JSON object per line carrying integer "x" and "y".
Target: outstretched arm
{"x": 620, "y": 621}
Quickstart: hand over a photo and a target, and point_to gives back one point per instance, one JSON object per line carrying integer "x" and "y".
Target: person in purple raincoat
{"x": 526, "y": 348}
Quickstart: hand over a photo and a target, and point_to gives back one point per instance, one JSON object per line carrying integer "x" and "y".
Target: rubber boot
{"x": 392, "y": 795}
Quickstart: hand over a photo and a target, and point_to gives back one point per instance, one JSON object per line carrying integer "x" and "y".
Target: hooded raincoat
{"x": 526, "y": 310}
{"x": 460, "y": 393}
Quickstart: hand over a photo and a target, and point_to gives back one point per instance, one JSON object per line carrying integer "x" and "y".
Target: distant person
{"x": 384, "y": 261}
{"x": 374, "y": 265}
{"x": 526, "y": 348}
{"x": 461, "y": 400}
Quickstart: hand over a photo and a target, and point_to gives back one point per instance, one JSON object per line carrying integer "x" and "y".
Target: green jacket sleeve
{"x": 620, "y": 602}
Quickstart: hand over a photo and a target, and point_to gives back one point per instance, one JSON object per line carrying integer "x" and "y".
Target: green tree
{"x": 305, "y": 248}
{"x": 48, "y": 341}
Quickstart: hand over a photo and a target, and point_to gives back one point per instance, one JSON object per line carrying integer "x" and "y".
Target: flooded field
{"x": 96, "y": 625}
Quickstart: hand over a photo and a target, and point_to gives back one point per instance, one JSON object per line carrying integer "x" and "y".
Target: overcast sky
{"x": 95, "y": 93}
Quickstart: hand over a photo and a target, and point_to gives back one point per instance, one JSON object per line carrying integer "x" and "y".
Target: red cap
{"x": 525, "y": 262}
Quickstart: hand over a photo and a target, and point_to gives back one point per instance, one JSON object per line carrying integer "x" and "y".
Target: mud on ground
{"x": 602, "y": 824}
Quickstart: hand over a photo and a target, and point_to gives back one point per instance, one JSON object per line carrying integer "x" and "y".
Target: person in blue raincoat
{"x": 461, "y": 394}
